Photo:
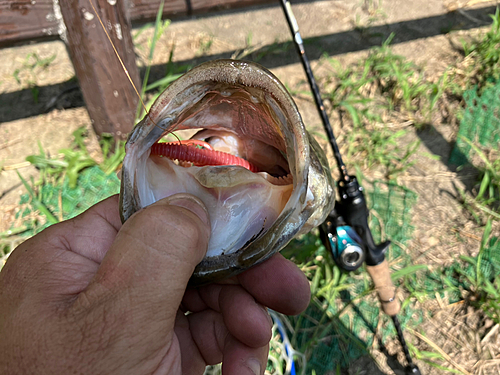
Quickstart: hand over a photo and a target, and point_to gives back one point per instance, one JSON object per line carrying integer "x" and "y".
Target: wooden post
{"x": 109, "y": 95}
{"x": 110, "y": 98}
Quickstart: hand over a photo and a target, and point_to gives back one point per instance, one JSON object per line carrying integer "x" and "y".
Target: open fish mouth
{"x": 263, "y": 179}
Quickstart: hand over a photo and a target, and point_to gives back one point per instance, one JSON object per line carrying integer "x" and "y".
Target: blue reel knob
{"x": 346, "y": 248}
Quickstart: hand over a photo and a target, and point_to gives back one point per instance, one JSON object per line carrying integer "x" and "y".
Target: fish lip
{"x": 286, "y": 227}
{"x": 209, "y": 270}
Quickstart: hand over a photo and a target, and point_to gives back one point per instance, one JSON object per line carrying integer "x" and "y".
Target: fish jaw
{"x": 193, "y": 99}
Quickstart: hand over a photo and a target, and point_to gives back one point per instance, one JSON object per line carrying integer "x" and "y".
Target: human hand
{"x": 91, "y": 296}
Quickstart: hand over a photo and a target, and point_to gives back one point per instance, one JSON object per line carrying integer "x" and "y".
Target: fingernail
{"x": 191, "y": 203}
{"x": 254, "y": 365}
{"x": 268, "y": 316}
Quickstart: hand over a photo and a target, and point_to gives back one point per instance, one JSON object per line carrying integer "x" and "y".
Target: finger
{"x": 278, "y": 284}
{"x": 201, "y": 339}
{"x": 246, "y": 319}
{"x": 144, "y": 274}
{"x": 240, "y": 359}
{"x": 205, "y": 339}
{"x": 199, "y": 299}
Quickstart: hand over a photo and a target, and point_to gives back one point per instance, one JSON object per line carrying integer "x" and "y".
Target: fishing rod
{"x": 345, "y": 232}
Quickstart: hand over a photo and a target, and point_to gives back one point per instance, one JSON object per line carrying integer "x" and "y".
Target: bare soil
{"x": 342, "y": 29}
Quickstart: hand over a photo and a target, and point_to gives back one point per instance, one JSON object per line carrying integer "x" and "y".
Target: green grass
{"x": 485, "y": 56}
{"x": 68, "y": 164}
{"x": 487, "y": 198}
{"x": 483, "y": 283}
{"x": 68, "y": 183}
{"x": 63, "y": 172}
{"x": 384, "y": 82}
{"x": 73, "y": 161}
{"x": 384, "y": 88}
{"x": 27, "y": 74}
{"x": 160, "y": 27}
{"x": 151, "y": 90}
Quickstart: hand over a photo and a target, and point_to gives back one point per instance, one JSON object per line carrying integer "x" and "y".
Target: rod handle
{"x": 381, "y": 276}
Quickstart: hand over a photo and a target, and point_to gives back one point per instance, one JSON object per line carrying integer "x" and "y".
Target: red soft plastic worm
{"x": 183, "y": 151}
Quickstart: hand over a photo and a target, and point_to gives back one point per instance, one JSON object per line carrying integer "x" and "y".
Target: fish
{"x": 263, "y": 178}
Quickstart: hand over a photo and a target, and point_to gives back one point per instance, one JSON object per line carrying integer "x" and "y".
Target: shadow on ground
{"x": 440, "y": 147}
{"x": 346, "y": 342}
{"x": 22, "y": 104}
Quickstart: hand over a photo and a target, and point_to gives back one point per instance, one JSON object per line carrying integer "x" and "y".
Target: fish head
{"x": 243, "y": 109}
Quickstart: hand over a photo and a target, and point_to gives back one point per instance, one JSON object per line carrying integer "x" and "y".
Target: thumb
{"x": 143, "y": 276}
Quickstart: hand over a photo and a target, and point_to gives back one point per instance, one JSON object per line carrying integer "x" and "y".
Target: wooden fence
{"x": 110, "y": 100}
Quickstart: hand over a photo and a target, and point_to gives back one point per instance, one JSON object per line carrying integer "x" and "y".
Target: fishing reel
{"x": 345, "y": 232}
{"x": 343, "y": 242}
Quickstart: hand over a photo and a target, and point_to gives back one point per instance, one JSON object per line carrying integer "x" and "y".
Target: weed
{"x": 385, "y": 82}
{"x": 257, "y": 52}
{"x": 399, "y": 80}
{"x": 387, "y": 88}
{"x": 31, "y": 67}
{"x": 380, "y": 146}
{"x": 383, "y": 88}
{"x": 437, "y": 354}
{"x": 275, "y": 48}
{"x": 69, "y": 164}
{"x": 241, "y": 54}
{"x": 489, "y": 190}
{"x": 373, "y": 12}
{"x": 160, "y": 27}
{"x": 37, "y": 203}
{"x": 32, "y": 62}
{"x": 481, "y": 65}
{"x": 172, "y": 71}
{"x": 484, "y": 288}
{"x": 487, "y": 198}
{"x": 205, "y": 45}
{"x": 112, "y": 159}
{"x": 66, "y": 186}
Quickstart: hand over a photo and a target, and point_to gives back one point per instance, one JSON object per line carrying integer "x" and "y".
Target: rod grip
{"x": 381, "y": 276}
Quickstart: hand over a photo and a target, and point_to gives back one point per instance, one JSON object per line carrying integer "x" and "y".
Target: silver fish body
{"x": 252, "y": 217}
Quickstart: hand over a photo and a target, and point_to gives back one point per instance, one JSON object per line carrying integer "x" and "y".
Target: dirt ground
{"x": 342, "y": 29}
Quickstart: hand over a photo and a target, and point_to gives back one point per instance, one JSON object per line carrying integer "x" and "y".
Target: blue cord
{"x": 284, "y": 337}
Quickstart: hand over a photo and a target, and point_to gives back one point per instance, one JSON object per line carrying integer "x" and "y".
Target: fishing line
{"x": 294, "y": 28}
{"x": 125, "y": 68}
{"x": 117, "y": 55}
